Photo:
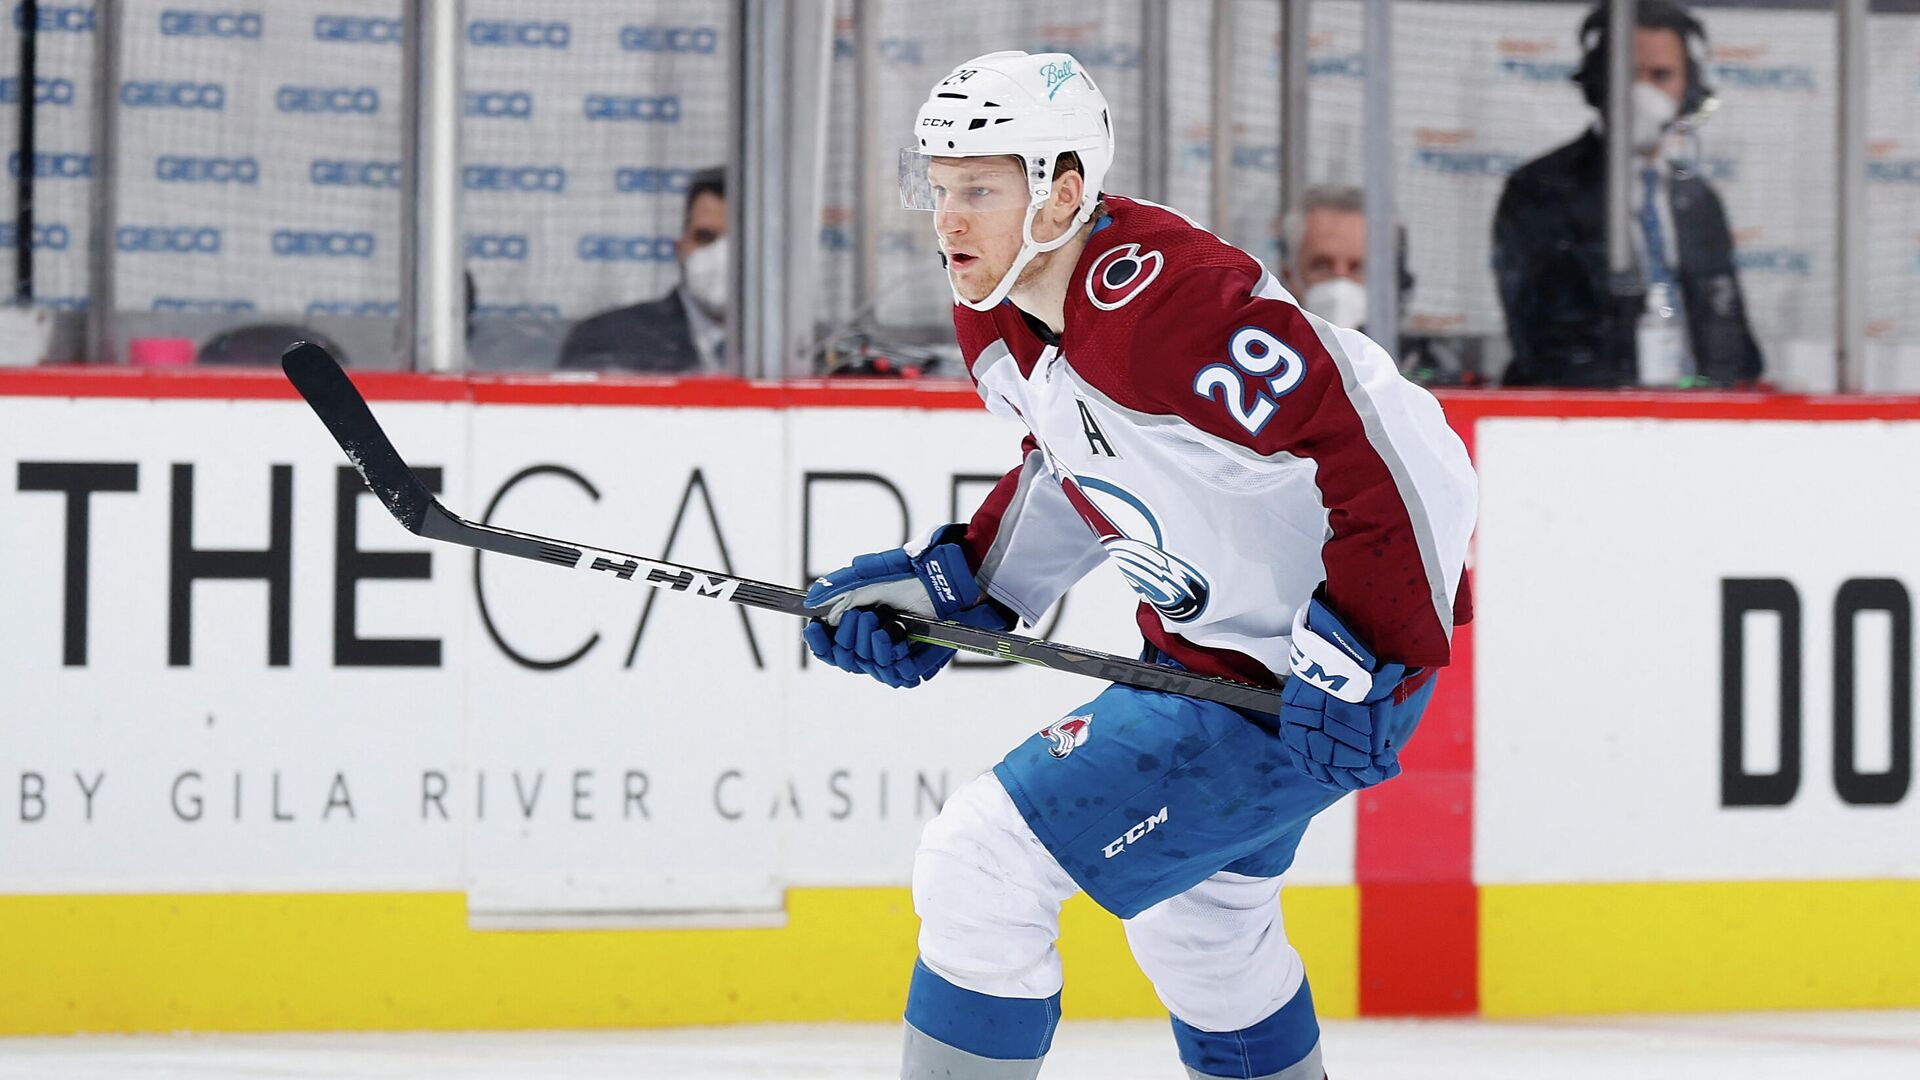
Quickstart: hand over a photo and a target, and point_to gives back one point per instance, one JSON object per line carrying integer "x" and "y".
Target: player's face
{"x": 1332, "y": 245}
{"x": 980, "y": 205}
{"x": 1660, "y": 58}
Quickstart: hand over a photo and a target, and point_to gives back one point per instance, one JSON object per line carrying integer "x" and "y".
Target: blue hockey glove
{"x": 1339, "y": 714}
{"x": 932, "y": 581}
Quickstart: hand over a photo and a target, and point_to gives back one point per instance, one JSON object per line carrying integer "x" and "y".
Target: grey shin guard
{"x": 1307, "y": 1068}
{"x": 927, "y": 1058}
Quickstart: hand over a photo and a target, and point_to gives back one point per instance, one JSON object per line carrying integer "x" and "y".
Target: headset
{"x": 1651, "y": 15}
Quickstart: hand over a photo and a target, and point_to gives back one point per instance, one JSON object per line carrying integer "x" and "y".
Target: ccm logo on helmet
{"x": 1119, "y": 275}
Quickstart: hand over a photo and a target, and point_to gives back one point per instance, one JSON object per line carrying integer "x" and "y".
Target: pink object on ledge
{"x": 160, "y": 352}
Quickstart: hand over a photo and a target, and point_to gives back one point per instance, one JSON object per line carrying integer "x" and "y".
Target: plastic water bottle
{"x": 1661, "y": 338}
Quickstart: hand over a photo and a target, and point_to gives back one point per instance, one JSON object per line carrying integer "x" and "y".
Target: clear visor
{"x": 962, "y": 185}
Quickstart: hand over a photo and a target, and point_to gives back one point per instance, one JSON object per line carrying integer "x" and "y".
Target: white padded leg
{"x": 1217, "y": 954}
{"x": 988, "y": 896}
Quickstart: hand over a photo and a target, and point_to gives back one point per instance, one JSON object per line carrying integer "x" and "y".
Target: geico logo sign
{"x": 650, "y": 110}
{"x": 61, "y": 18}
{"x": 520, "y": 35}
{"x": 357, "y": 28}
{"x": 652, "y": 180}
{"x": 203, "y": 307}
{"x": 516, "y": 311}
{"x": 364, "y": 100}
{"x": 55, "y": 91}
{"x": 1765, "y": 78}
{"x": 168, "y": 239}
{"x": 1889, "y": 171}
{"x": 328, "y": 244}
{"x": 510, "y": 104}
{"x": 173, "y": 95}
{"x": 54, "y": 166}
{"x": 328, "y": 172}
{"x": 45, "y": 238}
{"x": 217, "y": 24}
{"x": 549, "y": 178}
{"x": 511, "y": 247}
{"x": 672, "y": 39}
{"x": 602, "y": 247}
{"x": 902, "y": 51}
{"x": 359, "y": 309}
{"x": 183, "y": 169}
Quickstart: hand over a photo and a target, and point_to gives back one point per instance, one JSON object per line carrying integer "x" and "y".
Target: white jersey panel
{"x": 1407, "y": 429}
{"x": 1042, "y": 546}
{"x": 1224, "y": 543}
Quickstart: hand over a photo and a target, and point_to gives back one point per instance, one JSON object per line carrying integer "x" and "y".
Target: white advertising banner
{"x": 1694, "y": 650}
{"x": 229, "y": 670}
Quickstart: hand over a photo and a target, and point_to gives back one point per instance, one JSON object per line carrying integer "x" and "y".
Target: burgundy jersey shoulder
{"x": 1122, "y": 289}
{"x": 979, "y": 331}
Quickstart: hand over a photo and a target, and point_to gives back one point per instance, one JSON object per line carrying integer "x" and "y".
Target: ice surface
{"x": 1773, "y": 1046}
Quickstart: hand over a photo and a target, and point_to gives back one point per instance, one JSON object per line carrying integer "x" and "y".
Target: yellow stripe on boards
{"x": 359, "y": 961}
{"x": 1548, "y": 949}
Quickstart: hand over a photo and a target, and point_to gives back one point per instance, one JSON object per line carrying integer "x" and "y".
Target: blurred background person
{"x": 1325, "y": 254}
{"x": 1550, "y": 243}
{"x": 1324, "y": 265}
{"x": 685, "y": 330}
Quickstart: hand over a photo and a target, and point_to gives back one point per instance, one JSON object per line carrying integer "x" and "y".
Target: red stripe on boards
{"x": 1419, "y": 949}
{"x": 1413, "y": 855}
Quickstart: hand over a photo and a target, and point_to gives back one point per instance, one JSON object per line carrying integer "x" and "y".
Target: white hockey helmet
{"x": 1034, "y": 107}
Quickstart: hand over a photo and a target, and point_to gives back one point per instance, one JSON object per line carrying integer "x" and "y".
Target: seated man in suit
{"x": 1550, "y": 242}
{"x": 684, "y": 331}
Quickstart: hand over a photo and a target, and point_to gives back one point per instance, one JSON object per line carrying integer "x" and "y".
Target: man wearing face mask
{"x": 685, "y": 330}
{"x": 1325, "y": 262}
{"x": 1550, "y": 241}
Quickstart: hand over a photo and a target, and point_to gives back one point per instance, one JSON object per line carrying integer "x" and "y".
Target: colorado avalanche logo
{"x": 1067, "y": 734}
{"x": 1131, "y": 534}
{"x": 1121, "y": 274}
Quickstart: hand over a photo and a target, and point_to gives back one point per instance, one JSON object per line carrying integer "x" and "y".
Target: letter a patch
{"x": 1097, "y": 443}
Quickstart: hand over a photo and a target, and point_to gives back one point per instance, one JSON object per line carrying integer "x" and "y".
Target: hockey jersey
{"x": 1225, "y": 450}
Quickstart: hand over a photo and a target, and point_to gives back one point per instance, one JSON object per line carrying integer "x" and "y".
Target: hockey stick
{"x": 339, "y": 405}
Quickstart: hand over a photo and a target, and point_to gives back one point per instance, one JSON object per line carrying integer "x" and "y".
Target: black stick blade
{"x": 319, "y": 378}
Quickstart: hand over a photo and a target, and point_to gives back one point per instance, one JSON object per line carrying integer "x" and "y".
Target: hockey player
{"x": 1283, "y": 502}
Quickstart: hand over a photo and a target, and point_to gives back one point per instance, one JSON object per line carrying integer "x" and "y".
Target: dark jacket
{"x": 1550, "y": 262}
{"x": 651, "y": 337}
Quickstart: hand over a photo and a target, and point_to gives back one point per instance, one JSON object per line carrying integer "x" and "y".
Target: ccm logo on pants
{"x": 1132, "y": 836}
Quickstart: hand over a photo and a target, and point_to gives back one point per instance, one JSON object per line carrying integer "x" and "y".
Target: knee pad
{"x": 1217, "y": 954}
{"x": 1284, "y": 1046}
{"x": 988, "y": 895}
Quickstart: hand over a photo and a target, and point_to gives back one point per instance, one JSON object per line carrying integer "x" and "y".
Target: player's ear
{"x": 1068, "y": 188}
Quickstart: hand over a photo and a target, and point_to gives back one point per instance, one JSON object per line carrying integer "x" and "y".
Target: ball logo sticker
{"x": 1121, "y": 274}
{"x": 1067, "y": 734}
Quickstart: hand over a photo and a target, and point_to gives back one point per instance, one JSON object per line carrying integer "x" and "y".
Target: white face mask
{"x": 1341, "y": 301}
{"x": 1653, "y": 116}
{"x": 704, "y": 276}
{"x": 1653, "y": 111}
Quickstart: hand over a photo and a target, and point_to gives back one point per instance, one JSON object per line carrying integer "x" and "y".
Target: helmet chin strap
{"x": 1029, "y": 247}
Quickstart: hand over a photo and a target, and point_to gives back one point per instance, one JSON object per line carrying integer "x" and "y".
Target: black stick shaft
{"x": 339, "y": 405}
